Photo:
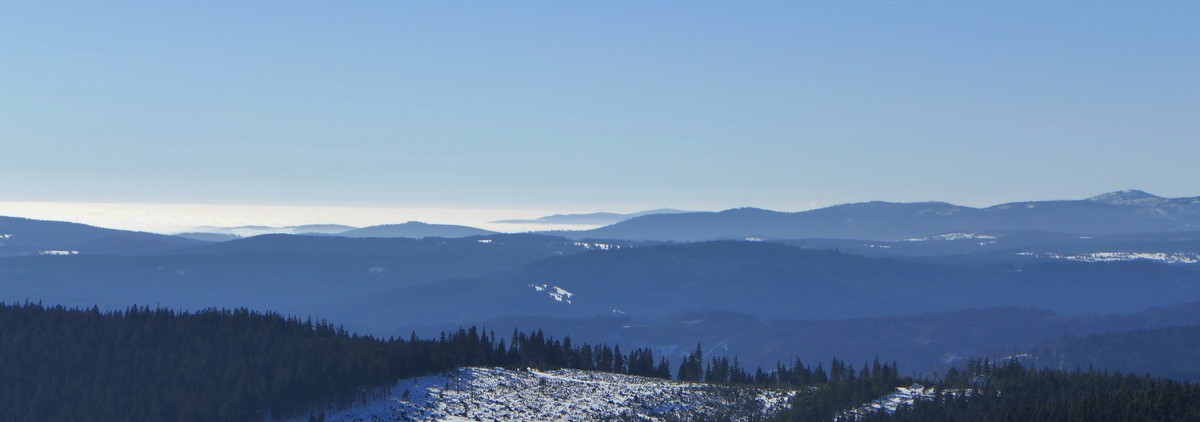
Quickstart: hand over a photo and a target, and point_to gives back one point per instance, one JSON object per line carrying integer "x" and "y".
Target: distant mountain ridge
{"x": 411, "y": 229}
{"x": 595, "y": 218}
{"x": 416, "y": 230}
{"x": 247, "y": 231}
{"x": 1115, "y": 212}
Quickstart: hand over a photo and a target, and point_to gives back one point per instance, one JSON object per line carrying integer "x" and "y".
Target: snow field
{"x": 495, "y": 394}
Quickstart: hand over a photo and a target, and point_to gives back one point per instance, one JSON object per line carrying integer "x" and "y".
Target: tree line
{"x": 145, "y": 363}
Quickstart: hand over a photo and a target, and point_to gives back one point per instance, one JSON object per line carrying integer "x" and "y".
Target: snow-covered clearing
{"x": 558, "y": 293}
{"x": 495, "y": 394}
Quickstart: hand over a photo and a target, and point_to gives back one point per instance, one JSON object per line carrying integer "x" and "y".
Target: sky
{"x": 594, "y": 106}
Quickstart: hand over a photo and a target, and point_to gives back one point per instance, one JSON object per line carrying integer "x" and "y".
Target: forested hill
{"x": 155, "y": 364}
{"x": 145, "y": 364}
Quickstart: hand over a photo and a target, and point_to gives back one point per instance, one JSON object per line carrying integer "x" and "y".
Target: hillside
{"x": 24, "y": 237}
{"x": 773, "y": 281}
{"x": 1169, "y": 352}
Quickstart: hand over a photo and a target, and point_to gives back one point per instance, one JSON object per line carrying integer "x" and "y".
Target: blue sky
{"x": 596, "y": 105}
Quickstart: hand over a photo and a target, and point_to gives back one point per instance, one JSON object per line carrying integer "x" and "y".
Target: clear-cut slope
{"x": 494, "y": 394}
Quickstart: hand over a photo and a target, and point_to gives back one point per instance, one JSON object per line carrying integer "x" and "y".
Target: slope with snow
{"x": 1163, "y": 257}
{"x": 952, "y": 236}
{"x": 561, "y": 395}
{"x": 901, "y": 397}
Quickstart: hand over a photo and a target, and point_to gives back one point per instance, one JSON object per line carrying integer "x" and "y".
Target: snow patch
{"x": 936, "y": 211}
{"x": 598, "y": 246}
{"x": 1017, "y": 357}
{"x": 563, "y": 292}
{"x": 1163, "y": 257}
{"x": 955, "y": 236}
{"x": 558, "y": 293}
{"x": 561, "y": 395}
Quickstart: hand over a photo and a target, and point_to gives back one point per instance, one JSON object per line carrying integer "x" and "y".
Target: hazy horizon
{"x": 171, "y": 218}
{"x": 180, "y": 218}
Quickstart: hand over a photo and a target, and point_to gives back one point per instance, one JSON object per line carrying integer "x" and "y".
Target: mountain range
{"x": 247, "y": 231}
{"x": 1116, "y": 212}
{"x": 1121, "y": 212}
{"x": 411, "y": 229}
